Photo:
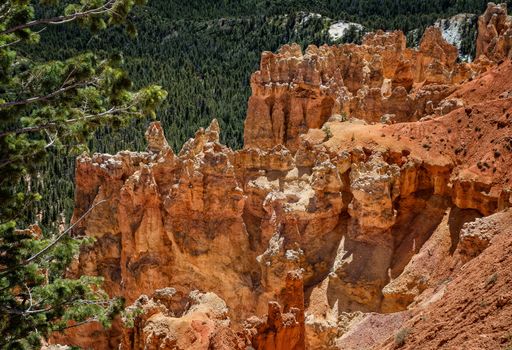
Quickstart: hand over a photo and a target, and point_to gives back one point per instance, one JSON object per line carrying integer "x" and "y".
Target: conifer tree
{"x": 48, "y": 107}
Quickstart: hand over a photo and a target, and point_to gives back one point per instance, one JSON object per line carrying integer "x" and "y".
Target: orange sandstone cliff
{"x": 378, "y": 80}
{"x": 374, "y": 182}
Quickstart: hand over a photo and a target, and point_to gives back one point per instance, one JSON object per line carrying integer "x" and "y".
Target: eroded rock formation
{"x": 281, "y": 329}
{"x": 495, "y": 33}
{"x": 167, "y": 322}
{"x": 324, "y": 220}
{"x": 168, "y": 219}
{"x": 294, "y": 91}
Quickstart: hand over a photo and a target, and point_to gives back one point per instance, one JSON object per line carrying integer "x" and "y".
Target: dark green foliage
{"x": 468, "y": 45}
{"x": 53, "y": 107}
{"x": 353, "y": 35}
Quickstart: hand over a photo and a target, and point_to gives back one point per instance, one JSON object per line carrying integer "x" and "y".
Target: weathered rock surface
{"x": 167, "y": 221}
{"x": 467, "y": 304}
{"x": 294, "y": 91}
{"x": 495, "y": 33}
{"x": 476, "y": 236}
{"x": 473, "y": 307}
{"x": 166, "y": 322}
{"x": 281, "y": 329}
{"x": 323, "y": 220}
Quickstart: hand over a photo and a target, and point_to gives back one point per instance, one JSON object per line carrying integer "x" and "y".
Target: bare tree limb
{"x": 78, "y": 324}
{"x": 56, "y": 240}
{"x": 19, "y": 40}
{"x": 30, "y": 297}
{"x": 52, "y": 140}
{"x": 10, "y": 44}
{"x": 23, "y": 312}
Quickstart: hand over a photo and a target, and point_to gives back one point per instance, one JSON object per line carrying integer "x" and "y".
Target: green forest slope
{"x": 203, "y": 53}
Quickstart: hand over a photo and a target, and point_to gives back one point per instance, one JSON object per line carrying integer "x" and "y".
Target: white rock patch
{"x": 338, "y": 29}
{"x": 452, "y": 28}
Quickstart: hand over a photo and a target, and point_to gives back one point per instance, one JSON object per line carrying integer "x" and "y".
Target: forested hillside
{"x": 203, "y": 53}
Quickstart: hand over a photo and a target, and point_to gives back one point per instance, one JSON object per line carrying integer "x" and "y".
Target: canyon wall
{"x": 362, "y": 168}
{"x": 378, "y": 80}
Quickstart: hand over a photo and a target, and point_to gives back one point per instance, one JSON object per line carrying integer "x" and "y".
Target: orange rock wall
{"x": 294, "y": 91}
{"x": 321, "y": 217}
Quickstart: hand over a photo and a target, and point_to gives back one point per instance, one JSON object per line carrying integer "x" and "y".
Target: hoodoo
{"x": 372, "y": 193}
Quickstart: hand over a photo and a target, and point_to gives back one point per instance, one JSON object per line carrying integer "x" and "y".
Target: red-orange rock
{"x": 371, "y": 214}
{"x": 494, "y": 33}
{"x": 167, "y": 322}
{"x": 294, "y": 91}
{"x": 281, "y": 329}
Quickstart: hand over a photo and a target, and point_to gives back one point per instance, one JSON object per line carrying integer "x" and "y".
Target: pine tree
{"x": 53, "y": 106}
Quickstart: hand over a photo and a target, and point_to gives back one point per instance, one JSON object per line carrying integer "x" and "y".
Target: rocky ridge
{"x": 380, "y": 79}
{"x": 327, "y": 224}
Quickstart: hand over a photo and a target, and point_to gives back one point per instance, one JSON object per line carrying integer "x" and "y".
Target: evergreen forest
{"x": 203, "y": 54}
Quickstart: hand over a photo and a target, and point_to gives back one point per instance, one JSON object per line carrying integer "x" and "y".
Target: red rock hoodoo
{"x": 374, "y": 182}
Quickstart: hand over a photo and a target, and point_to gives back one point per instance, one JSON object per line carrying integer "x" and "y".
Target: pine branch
{"x": 47, "y": 126}
{"x": 23, "y": 312}
{"x": 56, "y": 240}
{"x": 78, "y": 324}
{"x": 62, "y": 19}
{"x": 52, "y": 244}
{"x": 44, "y": 98}
{"x": 19, "y": 40}
{"x": 10, "y": 44}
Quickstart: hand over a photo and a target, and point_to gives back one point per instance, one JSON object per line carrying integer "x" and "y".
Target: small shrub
{"x": 492, "y": 279}
{"x": 328, "y": 133}
{"x": 130, "y": 314}
{"x": 401, "y": 337}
